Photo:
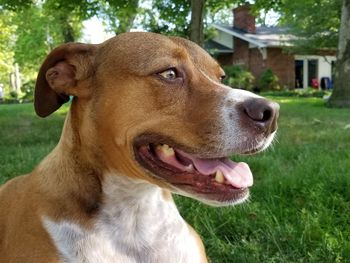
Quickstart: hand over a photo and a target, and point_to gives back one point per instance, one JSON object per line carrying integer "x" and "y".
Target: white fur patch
{"x": 135, "y": 225}
{"x": 233, "y": 137}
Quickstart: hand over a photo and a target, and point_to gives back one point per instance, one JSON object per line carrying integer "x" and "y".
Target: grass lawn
{"x": 299, "y": 210}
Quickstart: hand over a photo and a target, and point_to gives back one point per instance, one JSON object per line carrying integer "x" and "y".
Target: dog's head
{"x": 154, "y": 108}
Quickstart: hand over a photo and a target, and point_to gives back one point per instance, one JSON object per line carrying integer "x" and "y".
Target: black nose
{"x": 262, "y": 112}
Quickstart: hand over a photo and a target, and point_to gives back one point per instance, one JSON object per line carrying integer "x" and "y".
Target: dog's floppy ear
{"x": 60, "y": 74}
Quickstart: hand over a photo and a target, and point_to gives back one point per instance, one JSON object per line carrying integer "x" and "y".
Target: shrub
{"x": 13, "y": 94}
{"x": 27, "y": 94}
{"x": 11, "y": 97}
{"x": 268, "y": 81}
{"x": 28, "y": 90}
{"x": 300, "y": 93}
{"x": 238, "y": 77}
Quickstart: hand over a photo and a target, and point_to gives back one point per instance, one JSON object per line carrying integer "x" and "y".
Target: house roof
{"x": 264, "y": 36}
{"x": 214, "y": 47}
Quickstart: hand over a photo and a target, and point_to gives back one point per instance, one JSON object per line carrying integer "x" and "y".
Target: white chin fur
{"x": 267, "y": 142}
{"x": 212, "y": 202}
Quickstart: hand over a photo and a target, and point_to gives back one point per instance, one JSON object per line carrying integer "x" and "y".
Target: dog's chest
{"x": 139, "y": 230}
{"x": 76, "y": 245}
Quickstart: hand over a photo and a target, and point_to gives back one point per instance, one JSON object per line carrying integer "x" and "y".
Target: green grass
{"x": 25, "y": 138}
{"x": 299, "y": 210}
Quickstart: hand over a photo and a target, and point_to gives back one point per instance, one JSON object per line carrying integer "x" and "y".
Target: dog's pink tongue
{"x": 237, "y": 174}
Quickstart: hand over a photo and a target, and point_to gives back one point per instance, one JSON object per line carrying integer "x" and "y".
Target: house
{"x": 262, "y": 48}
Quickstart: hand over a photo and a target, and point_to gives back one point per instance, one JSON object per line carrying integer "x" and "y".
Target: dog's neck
{"x": 143, "y": 214}
{"x": 124, "y": 219}
{"x": 70, "y": 171}
{"x": 79, "y": 136}
{"x": 135, "y": 223}
{"x": 129, "y": 200}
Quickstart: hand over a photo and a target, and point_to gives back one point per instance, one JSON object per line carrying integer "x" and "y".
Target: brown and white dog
{"x": 149, "y": 117}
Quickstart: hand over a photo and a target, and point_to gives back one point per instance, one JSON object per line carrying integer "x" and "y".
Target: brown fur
{"x": 108, "y": 82}
{"x": 118, "y": 97}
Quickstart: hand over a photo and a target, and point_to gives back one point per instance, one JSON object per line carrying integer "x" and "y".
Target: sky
{"x": 94, "y": 31}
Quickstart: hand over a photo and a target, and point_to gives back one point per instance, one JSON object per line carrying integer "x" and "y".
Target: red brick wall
{"x": 282, "y": 65}
{"x": 242, "y": 19}
{"x": 257, "y": 65}
{"x": 241, "y": 52}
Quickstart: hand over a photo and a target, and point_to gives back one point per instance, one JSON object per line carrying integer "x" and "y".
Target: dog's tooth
{"x": 165, "y": 146}
{"x": 219, "y": 177}
{"x": 166, "y": 149}
{"x": 190, "y": 168}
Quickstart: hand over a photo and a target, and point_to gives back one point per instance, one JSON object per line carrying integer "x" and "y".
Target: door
{"x": 299, "y": 74}
{"x": 312, "y": 71}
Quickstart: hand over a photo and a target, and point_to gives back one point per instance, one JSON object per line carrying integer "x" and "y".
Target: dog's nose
{"x": 262, "y": 112}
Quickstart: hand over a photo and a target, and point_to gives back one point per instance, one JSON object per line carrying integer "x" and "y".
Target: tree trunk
{"x": 67, "y": 30}
{"x": 196, "y": 26}
{"x": 125, "y": 15}
{"x": 68, "y": 34}
{"x": 17, "y": 79}
{"x": 341, "y": 93}
{"x": 126, "y": 24}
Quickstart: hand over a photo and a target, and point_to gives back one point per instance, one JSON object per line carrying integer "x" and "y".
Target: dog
{"x": 149, "y": 117}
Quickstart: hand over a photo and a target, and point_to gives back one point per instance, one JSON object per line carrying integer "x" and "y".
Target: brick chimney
{"x": 243, "y": 19}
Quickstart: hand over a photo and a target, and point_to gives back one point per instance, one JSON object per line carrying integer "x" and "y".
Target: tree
{"x": 69, "y": 15}
{"x": 184, "y": 18}
{"x": 197, "y": 26}
{"x": 315, "y": 23}
{"x": 14, "y": 5}
{"x": 341, "y": 93}
{"x": 319, "y": 25}
{"x": 167, "y": 17}
{"x": 36, "y": 34}
{"x": 40, "y": 29}
{"x": 162, "y": 16}
{"x": 120, "y": 14}
{"x": 7, "y": 41}
{"x": 29, "y": 32}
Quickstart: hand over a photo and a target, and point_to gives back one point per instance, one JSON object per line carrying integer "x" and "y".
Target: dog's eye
{"x": 222, "y": 77}
{"x": 169, "y": 74}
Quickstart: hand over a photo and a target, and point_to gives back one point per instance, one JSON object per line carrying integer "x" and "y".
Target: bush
{"x": 28, "y": 90}
{"x": 11, "y": 97}
{"x": 238, "y": 77}
{"x": 300, "y": 93}
{"x": 268, "y": 81}
{"x": 13, "y": 94}
{"x": 27, "y": 94}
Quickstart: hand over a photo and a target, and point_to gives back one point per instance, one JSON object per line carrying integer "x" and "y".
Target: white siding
{"x": 224, "y": 39}
{"x": 324, "y": 66}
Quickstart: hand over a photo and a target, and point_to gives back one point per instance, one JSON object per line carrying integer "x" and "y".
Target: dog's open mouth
{"x": 218, "y": 179}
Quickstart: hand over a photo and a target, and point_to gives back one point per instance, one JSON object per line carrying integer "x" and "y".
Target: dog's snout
{"x": 262, "y": 112}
